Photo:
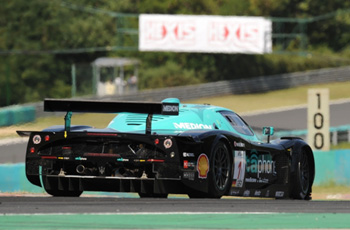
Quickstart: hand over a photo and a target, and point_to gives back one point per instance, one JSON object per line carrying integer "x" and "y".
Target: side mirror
{"x": 268, "y": 131}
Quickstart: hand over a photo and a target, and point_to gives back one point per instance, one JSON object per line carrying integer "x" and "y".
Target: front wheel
{"x": 302, "y": 177}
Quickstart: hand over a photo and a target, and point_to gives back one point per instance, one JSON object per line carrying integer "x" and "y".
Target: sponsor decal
{"x": 80, "y": 159}
{"x": 122, "y": 160}
{"x": 139, "y": 160}
{"x": 251, "y": 180}
{"x": 63, "y": 158}
{"x": 202, "y": 166}
{"x": 188, "y": 175}
{"x": 234, "y": 192}
{"x": 184, "y": 125}
{"x": 257, "y": 180}
{"x": 279, "y": 194}
{"x": 257, "y": 193}
{"x": 239, "y": 169}
{"x": 261, "y": 164}
{"x": 170, "y": 109}
{"x": 168, "y": 143}
{"x": 184, "y": 154}
{"x": 238, "y": 144}
{"x": 246, "y": 193}
{"x": 37, "y": 139}
{"x": 189, "y": 164}
{"x": 185, "y": 164}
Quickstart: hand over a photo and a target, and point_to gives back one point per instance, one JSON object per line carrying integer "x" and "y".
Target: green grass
{"x": 275, "y": 99}
{"x": 238, "y": 103}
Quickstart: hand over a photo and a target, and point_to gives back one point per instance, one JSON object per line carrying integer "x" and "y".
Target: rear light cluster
{"x": 167, "y": 143}
{"x": 37, "y": 139}
{"x": 32, "y": 150}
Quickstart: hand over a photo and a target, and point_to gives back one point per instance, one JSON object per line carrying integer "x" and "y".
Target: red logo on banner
{"x": 177, "y": 32}
{"x": 241, "y": 34}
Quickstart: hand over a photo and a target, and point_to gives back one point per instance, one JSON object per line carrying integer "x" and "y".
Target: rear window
{"x": 237, "y": 123}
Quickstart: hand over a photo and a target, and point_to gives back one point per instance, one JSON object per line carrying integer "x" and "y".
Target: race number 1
{"x": 318, "y": 119}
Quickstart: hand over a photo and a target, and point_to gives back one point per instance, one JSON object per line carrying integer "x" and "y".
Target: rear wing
{"x": 90, "y": 106}
{"x": 167, "y": 107}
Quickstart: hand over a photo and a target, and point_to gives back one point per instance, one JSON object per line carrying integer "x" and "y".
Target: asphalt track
{"x": 295, "y": 117}
{"x": 173, "y": 213}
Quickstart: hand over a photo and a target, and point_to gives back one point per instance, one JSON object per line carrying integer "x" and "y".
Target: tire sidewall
{"x": 213, "y": 190}
{"x": 297, "y": 190}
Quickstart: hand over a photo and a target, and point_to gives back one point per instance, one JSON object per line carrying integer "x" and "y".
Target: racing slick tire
{"x": 220, "y": 173}
{"x": 302, "y": 178}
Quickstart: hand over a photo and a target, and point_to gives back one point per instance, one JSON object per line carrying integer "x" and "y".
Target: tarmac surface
{"x": 37, "y": 205}
{"x": 295, "y": 117}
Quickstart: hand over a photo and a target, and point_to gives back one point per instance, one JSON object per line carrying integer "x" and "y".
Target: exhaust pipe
{"x": 80, "y": 169}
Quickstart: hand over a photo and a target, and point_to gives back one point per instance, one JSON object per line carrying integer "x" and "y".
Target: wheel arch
{"x": 225, "y": 140}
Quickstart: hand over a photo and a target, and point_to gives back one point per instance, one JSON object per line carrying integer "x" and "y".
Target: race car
{"x": 160, "y": 148}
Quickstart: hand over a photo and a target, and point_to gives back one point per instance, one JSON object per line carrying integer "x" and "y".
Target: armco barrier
{"x": 17, "y": 114}
{"x": 331, "y": 168}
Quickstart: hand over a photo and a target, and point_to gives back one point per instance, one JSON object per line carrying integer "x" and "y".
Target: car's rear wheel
{"x": 302, "y": 177}
{"x": 220, "y": 174}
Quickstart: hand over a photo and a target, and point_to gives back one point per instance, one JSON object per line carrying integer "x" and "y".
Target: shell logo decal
{"x": 203, "y": 166}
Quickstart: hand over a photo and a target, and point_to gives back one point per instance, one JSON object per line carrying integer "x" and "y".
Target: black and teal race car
{"x": 155, "y": 149}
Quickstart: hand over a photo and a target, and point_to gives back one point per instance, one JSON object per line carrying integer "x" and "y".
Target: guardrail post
{"x": 335, "y": 138}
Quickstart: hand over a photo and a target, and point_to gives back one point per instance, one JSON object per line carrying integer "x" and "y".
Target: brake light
{"x": 155, "y": 160}
{"x": 48, "y": 157}
{"x": 32, "y": 150}
{"x": 156, "y": 141}
{"x": 47, "y": 138}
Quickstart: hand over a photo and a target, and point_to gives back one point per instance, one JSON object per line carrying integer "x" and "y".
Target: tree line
{"x": 36, "y": 37}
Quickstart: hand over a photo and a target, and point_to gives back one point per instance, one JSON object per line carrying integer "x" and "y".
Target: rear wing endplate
{"x": 90, "y": 106}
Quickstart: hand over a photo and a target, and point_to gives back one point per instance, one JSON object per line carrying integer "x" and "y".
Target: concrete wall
{"x": 331, "y": 168}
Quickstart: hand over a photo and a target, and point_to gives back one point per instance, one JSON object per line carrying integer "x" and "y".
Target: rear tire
{"x": 302, "y": 177}
{"x": 220, "y": 173}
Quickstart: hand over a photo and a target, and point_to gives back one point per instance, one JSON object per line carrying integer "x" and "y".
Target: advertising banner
{"x": 206, "y": 34}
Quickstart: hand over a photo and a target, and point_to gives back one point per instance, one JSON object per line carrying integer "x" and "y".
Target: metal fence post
{"x": 74, "y": 81}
